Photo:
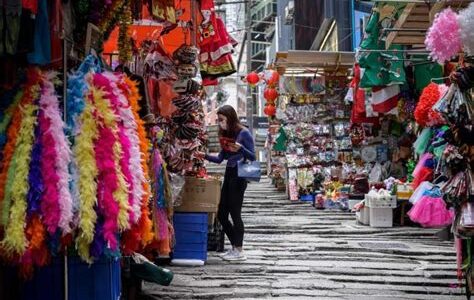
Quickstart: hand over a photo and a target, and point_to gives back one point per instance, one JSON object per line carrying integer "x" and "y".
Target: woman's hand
{"x": 235, "y": 147}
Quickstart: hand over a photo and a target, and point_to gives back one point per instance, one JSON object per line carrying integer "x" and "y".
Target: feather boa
{"x": 75, "y": 105}
{"x": 7, "y": 165}
{"x": 120, "y": 149}
{"x": 15, "y": 238}
{"x": 37, "y": 253}
{"x": 76, "y": 91}
{"x": 145, "y": 223}
{"x": 8, "y": 114}
{"x": 50, "y": 106}
{"x": 107, "y": 181}
{"x": 50, "y": 198}
{"x": 35, "y": 177}
{"x": 143, "y": 230}
{"x": 87, "y": 185}
{"x": 126, "y": 114}
{"x": 9, "y": 150}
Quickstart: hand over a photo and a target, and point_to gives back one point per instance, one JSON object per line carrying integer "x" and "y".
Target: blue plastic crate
{"x": 191, "y": 227}
{"x": 47, "y": 283}
{"x": 192, "y": 237}
{"x": 190, "y": 218}
{"x": 202, "y": 255}
{"x": 191, "y": 247}
{"x": 99, "y": 281}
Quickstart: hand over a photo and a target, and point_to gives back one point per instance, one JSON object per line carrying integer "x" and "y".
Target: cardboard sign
{"x": 200, "y": 195}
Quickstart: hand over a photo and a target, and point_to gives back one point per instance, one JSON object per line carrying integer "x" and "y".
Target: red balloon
{"x": 270, "y": 110}
{"x": 270, "y": 94}
{"x": 253, "y": 78}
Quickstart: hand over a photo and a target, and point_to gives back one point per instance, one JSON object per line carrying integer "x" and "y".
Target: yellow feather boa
{"x": 88, "y": 172}
{"x": 15, "y": 238}
{"x": 121, "y": 194}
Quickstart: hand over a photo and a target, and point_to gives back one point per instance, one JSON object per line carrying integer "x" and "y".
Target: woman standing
{"x": 237, "y": 144}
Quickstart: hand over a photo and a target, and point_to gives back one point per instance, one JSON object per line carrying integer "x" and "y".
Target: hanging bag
{"x": 249, "y": 170}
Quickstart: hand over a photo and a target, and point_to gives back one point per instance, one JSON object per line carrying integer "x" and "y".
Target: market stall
{"x": 94, "y": 162}
{"x": 309, "y": 132}
{"x": 422, "y": 109}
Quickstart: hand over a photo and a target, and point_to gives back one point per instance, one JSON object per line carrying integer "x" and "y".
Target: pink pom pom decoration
{"x": 443, "y": 39}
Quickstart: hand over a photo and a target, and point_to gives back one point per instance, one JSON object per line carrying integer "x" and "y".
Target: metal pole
{"x": 65, "y": 54}
{"x": 248, "y": 27}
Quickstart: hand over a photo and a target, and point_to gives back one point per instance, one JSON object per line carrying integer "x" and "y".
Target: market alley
{"x": 297, "y": 252}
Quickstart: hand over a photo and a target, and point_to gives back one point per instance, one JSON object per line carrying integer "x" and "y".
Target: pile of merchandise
{"x": 309, "y": 134}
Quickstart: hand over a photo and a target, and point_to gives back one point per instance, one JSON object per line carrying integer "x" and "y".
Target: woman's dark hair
{"x": 233, "y": 123}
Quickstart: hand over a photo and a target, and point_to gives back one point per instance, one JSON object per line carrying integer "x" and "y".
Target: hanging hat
{"x": 207, "y": 4}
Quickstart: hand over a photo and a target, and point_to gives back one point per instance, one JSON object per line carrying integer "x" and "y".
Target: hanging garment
{"x": 359, "y": 115}
{"x": 216, "y": 56}
{"x": 385, "y": 99}
{"x": 379, "y": 69}
{"x": 42, "y": 50}
{"x": 430, "y": 210}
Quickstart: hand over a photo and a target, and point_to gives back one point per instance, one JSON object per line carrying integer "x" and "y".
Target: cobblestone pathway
{"x": 297, "y": 252}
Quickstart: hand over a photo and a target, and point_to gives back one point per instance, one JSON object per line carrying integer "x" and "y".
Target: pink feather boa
{"x": 50, "y": 207}
{"x": 106, "y": 83}
{"x": 107, "y": 184}
{"x": 135, "y": 166}
{"x": 50, "y": 106}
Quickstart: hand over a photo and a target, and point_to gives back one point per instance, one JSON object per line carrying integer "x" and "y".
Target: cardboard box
{"x": 200, "y": 195}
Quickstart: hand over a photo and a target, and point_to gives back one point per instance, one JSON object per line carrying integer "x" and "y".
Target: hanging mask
{"x": 186, "y": 54}
{"x": 187, "y": 71}
{"x": 181, "y": 86}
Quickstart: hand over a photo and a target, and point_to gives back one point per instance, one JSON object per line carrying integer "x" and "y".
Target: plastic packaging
{"x": 177, "y": 183}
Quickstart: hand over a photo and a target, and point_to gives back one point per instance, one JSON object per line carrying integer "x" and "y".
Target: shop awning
{"x": 410, "y": 28}
{"x": 297, "y": 61}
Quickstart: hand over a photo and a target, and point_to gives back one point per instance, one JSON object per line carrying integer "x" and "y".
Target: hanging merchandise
{"x": 186, "y": 134}
{"x": 379, "y": 69}
{"x": 35, "y": 201}
{"x": 162, "y": 205}
{"x": 124, "y": 41}
{"x": 109, "y": 114}
{"x": 164, "y": 10}
{"x": 216, "y": 46}
{"x": 443, "y": 39}
{"x": 466, "y": 23}
{"x": 430, "y": 210}
{"x": 359, "y": 113}
{"x": 424, "y": 113}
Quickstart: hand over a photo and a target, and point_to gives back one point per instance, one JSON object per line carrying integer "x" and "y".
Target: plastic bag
{"x": 177, "y": 183}
{"x": 376, "y": 173}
